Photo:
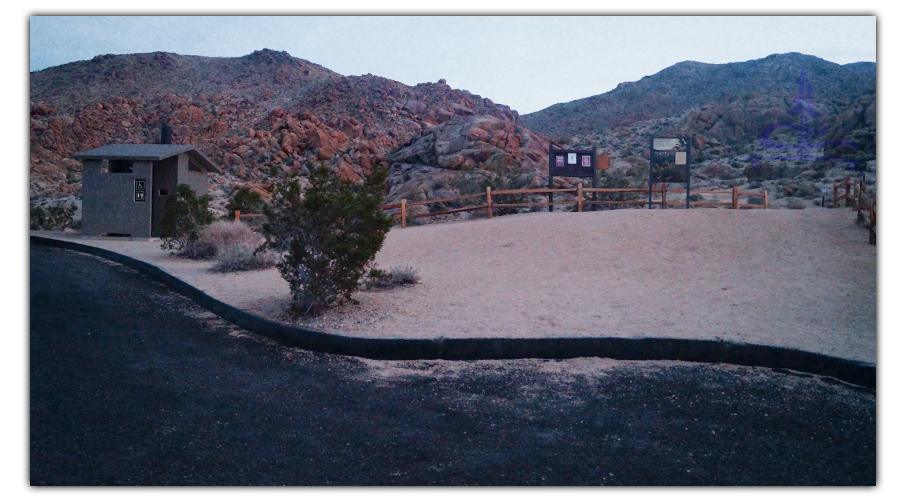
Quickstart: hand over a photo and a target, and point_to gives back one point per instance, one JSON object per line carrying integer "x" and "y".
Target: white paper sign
{"x": 680, "y": 158}
{"x": 573, "y": 158}
{"x": 665, "y": 143}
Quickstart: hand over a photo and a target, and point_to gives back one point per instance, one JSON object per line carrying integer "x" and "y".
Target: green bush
{"x": 184, "y": 217}
{"x": 330, "y": 233}
{"x": 53, "y": 218}
{"x": 245, "y": 200}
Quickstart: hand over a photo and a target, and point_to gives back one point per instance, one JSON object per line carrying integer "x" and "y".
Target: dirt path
{"x": 792, "y": 278}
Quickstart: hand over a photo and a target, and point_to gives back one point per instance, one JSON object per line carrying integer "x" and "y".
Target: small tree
{"x": 245, "y": 200}
{"x": 330, "y": 233}
{"x": 185, "y": 215}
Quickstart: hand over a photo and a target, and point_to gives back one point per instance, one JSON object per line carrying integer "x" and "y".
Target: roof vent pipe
{"x": 165, "y": 134}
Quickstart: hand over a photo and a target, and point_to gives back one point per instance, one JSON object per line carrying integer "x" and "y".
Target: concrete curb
{"x": 701, "y": 351}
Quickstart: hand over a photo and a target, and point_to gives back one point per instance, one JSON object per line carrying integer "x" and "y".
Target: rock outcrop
{"x": 263, "y": 116}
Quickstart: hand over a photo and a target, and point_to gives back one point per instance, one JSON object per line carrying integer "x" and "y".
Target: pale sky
{"x": 528, "y": 63}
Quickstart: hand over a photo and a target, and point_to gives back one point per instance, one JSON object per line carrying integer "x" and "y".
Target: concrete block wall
{"x": 108, "y": 204}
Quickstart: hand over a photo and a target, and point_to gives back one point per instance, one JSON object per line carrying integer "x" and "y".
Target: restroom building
{"x": 125, "y": 186}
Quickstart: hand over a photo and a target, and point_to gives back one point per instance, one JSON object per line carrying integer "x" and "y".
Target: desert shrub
{"x": 221, "y": 235}
{"x": 806, "y": 191}
{"x": 763, "y": 172}
{"x": 471, "y": 184}
{"x": 233, "y": 245}
{"x": 243, "y": 258}
{"x": 609, "y": 181}
{"x": 404, "y": 276}
{"x": 245, "y": 200}
{"x": 52, "y": 218}
{"x": 184, "y": 217}
{"x": 330, "y": 233}
{"x": 508, "y": 181}
{"x": 796, "y": 204}
{"x": 397, "y": 276}
{"x": 756, "y": 200}
{"x": 696, "y": 197}
{"x": 376, "y": 278}
{"x": 467, "y": 183}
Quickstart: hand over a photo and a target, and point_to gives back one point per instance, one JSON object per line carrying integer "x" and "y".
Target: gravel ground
{"x": 792, "y": 278}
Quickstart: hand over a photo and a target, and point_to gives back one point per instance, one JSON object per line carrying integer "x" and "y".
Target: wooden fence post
{"x": 579, "y": 197}
{"x": 847, "y": 191}
{"x": 403, "y": 213}
{"x": 664, "y": 189}
{"x": 237, "y": 215}
{"x": 734, "y": 197}
{"x": 872, "y": 223}
{"x": 490, "y": 203}
{"x": 765, "y": 198}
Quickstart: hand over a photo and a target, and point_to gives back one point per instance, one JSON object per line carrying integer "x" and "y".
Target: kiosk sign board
{"x": 573, "y": 163}
{"x": 670, "y": 161}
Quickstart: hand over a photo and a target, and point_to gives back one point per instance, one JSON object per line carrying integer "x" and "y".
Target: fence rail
{"x": 238, "y": 216}
{"x": 855, "y": 195}
{"x": 579, "y": 200}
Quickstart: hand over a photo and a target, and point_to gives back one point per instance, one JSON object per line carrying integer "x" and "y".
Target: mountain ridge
{"x": 264, "y": 116}
{"x": 689, "y": 84}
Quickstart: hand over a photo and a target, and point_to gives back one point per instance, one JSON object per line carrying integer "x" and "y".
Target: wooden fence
{"x": 238, "y": 216}
{"x": 855, "y": 194}
{"x": 579, "y": 200}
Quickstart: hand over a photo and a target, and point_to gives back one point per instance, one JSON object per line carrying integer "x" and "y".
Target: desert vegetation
{"x": 397, "y": 276}
{"x": 53, "y": 217}
{"x": 184, "y": 217}
{"x": 328, "y": 235}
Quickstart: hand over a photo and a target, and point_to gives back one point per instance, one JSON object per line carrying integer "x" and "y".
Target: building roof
{"x": 148, "y": 152}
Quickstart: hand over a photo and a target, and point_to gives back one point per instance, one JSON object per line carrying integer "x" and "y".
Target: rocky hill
{"x": 264, "y": 115}
{"x": 732, "y": 110}
{"x": 688, "y": 85}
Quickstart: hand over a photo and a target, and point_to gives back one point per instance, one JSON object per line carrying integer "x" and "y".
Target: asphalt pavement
{"x": 132, "y": 384}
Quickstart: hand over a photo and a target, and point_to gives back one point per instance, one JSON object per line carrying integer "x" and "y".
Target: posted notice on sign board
{"x": 559, "y": 161}
{"x": 573, "y": 158}
{"x": 680, "y": 158}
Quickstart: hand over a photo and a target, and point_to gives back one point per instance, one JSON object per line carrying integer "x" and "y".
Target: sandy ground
{"x": 792, "y": 278}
